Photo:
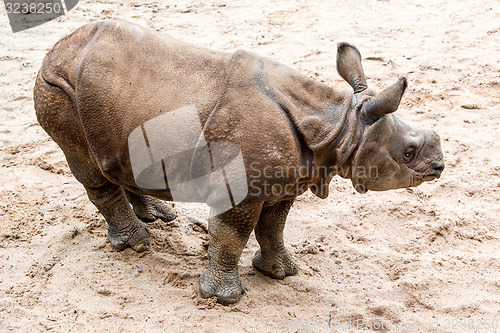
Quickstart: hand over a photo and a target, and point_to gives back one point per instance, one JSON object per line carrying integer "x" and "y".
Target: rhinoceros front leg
{"x": 124, "y": 228}
{"x": 149, "y": 209}
{"x": 273, "y": 259}
{"x": 229, "y": 234}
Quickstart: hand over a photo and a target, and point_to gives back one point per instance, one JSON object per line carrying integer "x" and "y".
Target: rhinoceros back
{"x": 121, "y": 75}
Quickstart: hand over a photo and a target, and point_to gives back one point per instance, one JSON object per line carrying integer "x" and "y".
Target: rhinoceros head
{"x": 390, "y": 154}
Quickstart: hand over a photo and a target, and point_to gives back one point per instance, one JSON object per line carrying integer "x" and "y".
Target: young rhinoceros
{"x": 142, "y": 117}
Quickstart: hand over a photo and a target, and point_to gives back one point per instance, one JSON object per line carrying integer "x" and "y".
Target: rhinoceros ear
{"x": 349, "y": 66}
{"x": 386, "y": 101}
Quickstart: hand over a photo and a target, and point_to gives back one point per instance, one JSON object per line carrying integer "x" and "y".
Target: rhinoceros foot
{"x": 137, "y": 238}
{"x": 149, "y": 209}
{"x": 226, "y": 287}
{"x": 156, "y": 209}
{"x": 277, "y": 264}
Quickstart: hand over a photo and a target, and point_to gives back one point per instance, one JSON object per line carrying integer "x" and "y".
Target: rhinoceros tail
{"x": 54, "y": 94}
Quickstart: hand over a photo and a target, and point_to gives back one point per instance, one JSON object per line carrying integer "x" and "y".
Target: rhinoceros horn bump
{"x": 386, "y": 101}
{"x": 349, "y": 66}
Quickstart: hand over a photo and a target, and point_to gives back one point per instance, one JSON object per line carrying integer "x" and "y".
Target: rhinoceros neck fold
{"x": 326, "y": 120}
{"x": 324, "y": 117}
{"x": 348, "y": 140}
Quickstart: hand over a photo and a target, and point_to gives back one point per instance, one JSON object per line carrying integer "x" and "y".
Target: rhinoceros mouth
{"x": 428, "y": 178}
{"x": 418, "y": 179}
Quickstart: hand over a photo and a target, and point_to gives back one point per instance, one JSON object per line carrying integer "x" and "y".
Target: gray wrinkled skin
{"x": 107, "y": 78}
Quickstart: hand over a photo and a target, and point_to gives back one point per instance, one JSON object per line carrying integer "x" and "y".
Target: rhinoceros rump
{"x": 102, "y": 90}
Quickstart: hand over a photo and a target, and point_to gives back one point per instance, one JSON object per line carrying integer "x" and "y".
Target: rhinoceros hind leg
{"x": 57, "y": 114}
{"x": 124, "y": 228}
{"x": 148, "y": 209}
{"x": 229, "y": 234}
{"x": 273, "y": 259}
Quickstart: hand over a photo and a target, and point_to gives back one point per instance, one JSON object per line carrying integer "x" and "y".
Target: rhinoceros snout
{"x": 438, "y": 168}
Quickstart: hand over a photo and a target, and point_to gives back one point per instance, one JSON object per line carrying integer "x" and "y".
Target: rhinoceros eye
{"x": 409, "y": 154}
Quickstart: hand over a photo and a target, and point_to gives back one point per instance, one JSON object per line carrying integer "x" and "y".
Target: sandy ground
{"x": 425, "y": 257}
